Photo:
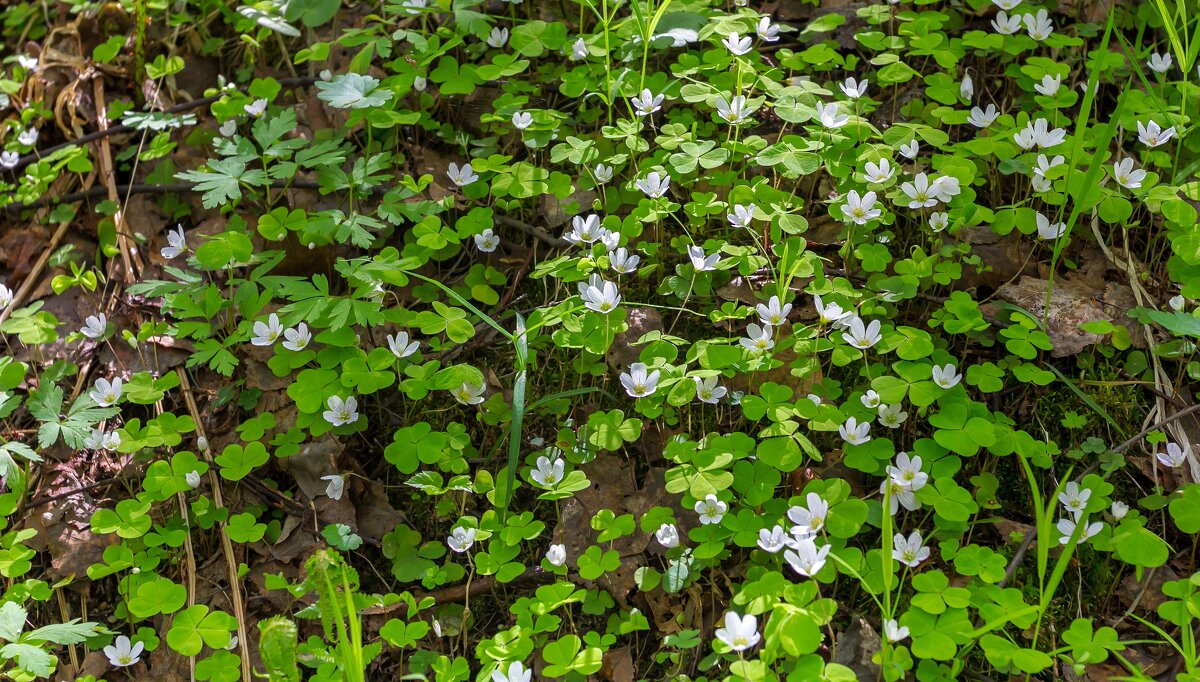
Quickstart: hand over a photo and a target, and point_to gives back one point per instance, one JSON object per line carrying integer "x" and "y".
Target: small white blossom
{"x": 95, "y": 326}
{"x": 879, "y": 173}
{"x": 9, "y": 159}
{"x": 813, "y": 516}
{"x": 767, "y": 32}
{"x": 862, "y": 335}
{"x": 1125, "y": 175}
{"x": 548, "y": 473}
{"x": 267, "y": 333}
{"x": 638, "y": 382}
{"x": 1006, "y": 25}
{"x": 870, "y": 400}
{"x": 647, "y": 104}
{"x": 400, "y": 345}
{"x": 981, "y": 118}
{"x": 855, "y": 433}
{"x": 1160, "y": 63}
{"x": 461, "y": 176}
{"x": 758, "y": 339}
{"x": 829, "y": 313}
{"x": 461, "y": 539}
{"x": 256, "y": 108}
{"x": 468, "y": 393}
{"x": 918, "y": 192}
{"x": 909, "y": 551}
{"x": 487, "y": 241}
{"x": 1177, "y": 302}
{"x": 894, "y": 632}
{"x": 123, "y": 653}
{"x": 1174, "y": 456}
{"x": 335, "y": 487}
{"x": 498, "y": 38}
{"x": 892, "y": 416}
{"x": 297, "y": 339}
{"x": 1049, "y": 85}
{"x": 28, "y": 137}
{"x": 966, "y": 89}
{"x": 1152, "y": 135}
{"x": 1038, "y": 25}
{"x": 603, "y": 173}
{"x": 621, "y": 261}
{"x": 773, "y": 312}
{"x": 192, "y": 478}
{"x": 603, "y": 298}
{"x": 710, "y": 509}
{"x": 830, "y": 118}
{"x": 910, "y": 149}
{"x": 1066, "y": 528}
{"x": 772, "y": 540}
{"x": 667, "y": 535}
{"x": 522, "y": 120}
{"x": 701, "y": 261}
{"x": 106, "y": 393}
{"x": 176, "y": 243}
{"x": 557, "y": 555}
{"x": 1074, "y": 499}
{"x": 938, "y": 220}
{"x": 579, "y": 49}
{"x": 860, "y": 210}
{"x": 341, "y": 412}
{"x": 740, "y": 632}
{"x": 707, "y": 390}
{"x": 654, "y": 185}
{"x": 853, "y": 88}
{"x": 1119, "y": 509}
{"x": 741, "y": 216}
{"x": 736, "y": 44}
{"x": 946, "y": 376}
{"x": 733, "y": 111}
{"x": 806, "y": 558}
{"x": 1048, "y": 230}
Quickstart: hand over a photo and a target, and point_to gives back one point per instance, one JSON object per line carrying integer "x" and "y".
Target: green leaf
{"x": 195, "y": 627}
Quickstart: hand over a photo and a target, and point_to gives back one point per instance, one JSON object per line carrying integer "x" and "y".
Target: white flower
{"x": 498, "y": 38}
{"x": 27, "y": 62}
{"x": 1125, "y": 175}
{"x": 1040, "y": 184}
{"x": 176, "y": 243}
{"x": 256, "y": 108}
{"x": 1038, "y": 25}
{"x": 1066, "y": 528}
{"x": 579, "y": 49}
{"x": 548, "y": 473}
{"x": 1174, "y": 456}
{"x": 830, "y": 118}
{"x": 106, "y": 393}
{"x": 1074, "y": 499}
{"x": 966, "y": 89}
{"x": 862, "y": 336}
{"x": 829, "y": 313}
{"x": 855, "y": 433}
{"x": 740, "y": 632}
{"x": 28, "y": 137}
{"x": 741, "y": 216}
{"x": 1177, "y": 302}
{"x": 101, "y": 440}
{"x": 1046, "y": 164}
{"x": 297, "y": 339}
{"x": 667, "y": 535}
{"x": 336, "y": 486}
{"x": 1006, "y": 25}
{"x": 266, "y": 333}
{"x": 621, "y": 261}
{"x": 95, "y": 326}
{"x": 938, "y": 220}
{"x": 522, "y": 120}
{"x": 468, "y": 393}
{"x": 860, "y": 210}
{"x": 1049, "y": 85}
{"x": 737, "y": 44}
{"x": 603, "y": 173}
{"x": 981, "y": 118}
{"x": 945, "y": 188}
{"x": 414, "y": 7}
{"x": 603, "y": 298}
{"x": 461, "y": 176}
{"x": 647, "y": 104}
{"x": 894, "y": 631}
{"x": 420, "y": 83}
{"x": 1152, "y": 135}
{"x": 585, "y": 229}
{"x": 900, "y": 494}
{"x": 910, "y": 150}
{"x": 1007, "y": 4}
{"x": 870, "y": 400}
{"x": 341, "y": 412}
{"x": 811, "y": 517}
{"x": 814, "y": 399}
{"x": 123, "y": 653}
{"x": 654, "y": 185}
{"x": 228, "y": 128}
{"x": 638, "y": 382}
{"x": 1160, "y": 63}
{"x": 556, "y": 555}
{"x": 707, "y": 390}
{"x": 1037, "y": 134}
{"x": 918, "y": 192}
{"x": 773, "y": 313}
{"x": 710, "y": 509}
{"x": 853, "y": 88}
{"x": 487, "y": 241}
{"x": 758, "y": 339}
{"x": 805, "y": 558}
{"x": 192, "y": 478}
{"x": 892, "y": 416}
{"x": 400, "y": 345}
{"x": 517, "y": 672}
{"x": 1048, "y": 230}
{"x": 907, "y": 472}
{"x": 9, "y": 159}
{"x": 767, "y": 31}
{"x": 772, "y": 540}
{"x": 946, "y": 376}
{"x": 733, "y": 111}
{"x": 879, "y": 173}
{"x": 461, "y": 539}
{"x": 1119, "y": 509}
{"x": 700, "y": 261}
{"x": 909, "y": 551}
